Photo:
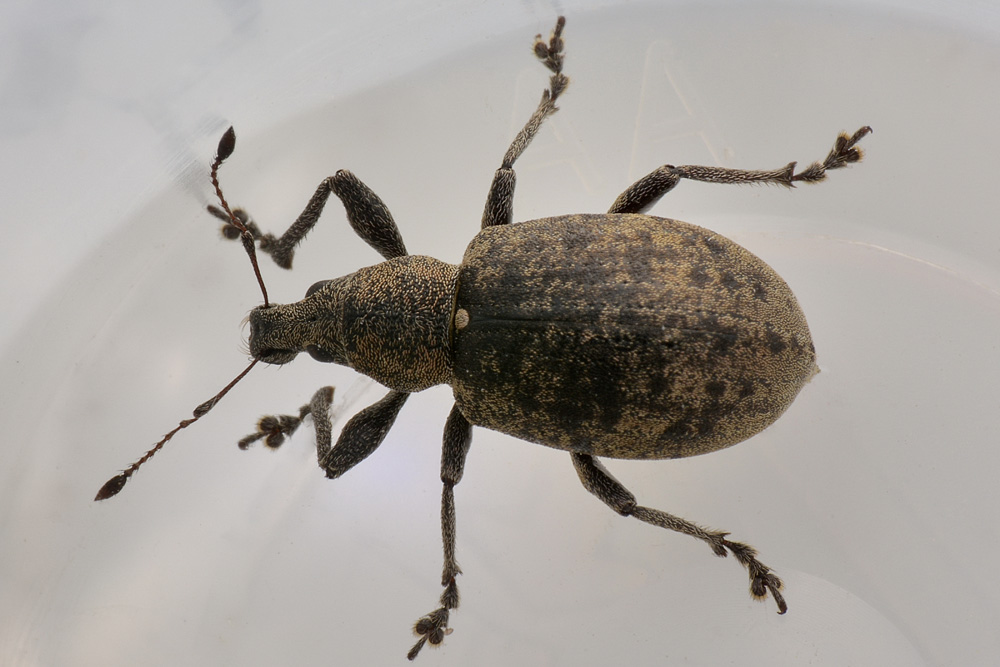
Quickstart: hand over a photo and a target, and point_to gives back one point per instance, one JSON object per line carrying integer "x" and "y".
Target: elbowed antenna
{"x": 226, "y": 146}
{"x": 116, "y": 483}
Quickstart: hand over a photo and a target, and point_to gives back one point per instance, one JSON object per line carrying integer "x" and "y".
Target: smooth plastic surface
{"x": 873, "y": 497}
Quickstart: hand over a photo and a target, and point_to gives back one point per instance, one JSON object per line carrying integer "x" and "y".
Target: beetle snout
{"x": 272, "y": 356}
{"x": 267, "y": 340}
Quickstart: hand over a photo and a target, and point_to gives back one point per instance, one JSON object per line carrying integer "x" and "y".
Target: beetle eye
{"x": 317, "y": 286}
{"x": 319, "y": 354}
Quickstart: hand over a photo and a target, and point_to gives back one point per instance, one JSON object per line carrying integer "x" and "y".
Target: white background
{"x": 874, "y": 497}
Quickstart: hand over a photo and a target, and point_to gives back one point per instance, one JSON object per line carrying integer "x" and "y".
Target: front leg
{"x": 361, "y": 436}
{"x": 367, "y": 213}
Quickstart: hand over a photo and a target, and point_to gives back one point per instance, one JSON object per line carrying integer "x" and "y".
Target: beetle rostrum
{"x": 618, "y": 335}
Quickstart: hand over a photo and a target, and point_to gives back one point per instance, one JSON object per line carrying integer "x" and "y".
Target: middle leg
{"x": 457, "y": 437}
{"x": 500, "y": 201}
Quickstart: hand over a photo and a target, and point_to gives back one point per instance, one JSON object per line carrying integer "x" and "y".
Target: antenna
{"x": 117, "y": 483}
{"x": 226, "y": 146}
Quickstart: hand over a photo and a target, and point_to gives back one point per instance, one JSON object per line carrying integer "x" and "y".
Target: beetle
{"x": 617, "y": 335}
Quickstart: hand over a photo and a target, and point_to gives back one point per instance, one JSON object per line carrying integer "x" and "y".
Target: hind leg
{"x": 599, "y": 481}
{"x": 647, "y": 190}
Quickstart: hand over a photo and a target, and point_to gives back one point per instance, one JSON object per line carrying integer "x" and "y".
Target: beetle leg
{"x": 601, "y": 483}
{"x": 231, "y": 231}
{"x": 361, "y": 435}
{"x": 367, "y": 213}
{"x": 457, "y": 437}
{"x": 647, "y": 190}
{"x": 273, "y": 429}
{"x": 499, "y": 208}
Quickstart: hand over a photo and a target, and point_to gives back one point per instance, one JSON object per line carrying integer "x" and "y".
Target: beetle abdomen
{"x": 625, "y": 336}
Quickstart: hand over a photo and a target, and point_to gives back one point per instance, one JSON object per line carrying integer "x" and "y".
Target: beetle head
{"x": 278, "y": 333}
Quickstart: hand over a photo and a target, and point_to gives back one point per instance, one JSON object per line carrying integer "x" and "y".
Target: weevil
{"x": 615, "y": 335}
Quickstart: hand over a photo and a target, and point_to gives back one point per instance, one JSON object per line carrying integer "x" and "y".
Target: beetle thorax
{"x": 397, "y": 322}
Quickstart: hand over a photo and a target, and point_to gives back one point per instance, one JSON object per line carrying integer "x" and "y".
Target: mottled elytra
{"x": 617, "y": 335}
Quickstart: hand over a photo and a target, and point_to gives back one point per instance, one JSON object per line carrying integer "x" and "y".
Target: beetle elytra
{"x": 617, "y": 335}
